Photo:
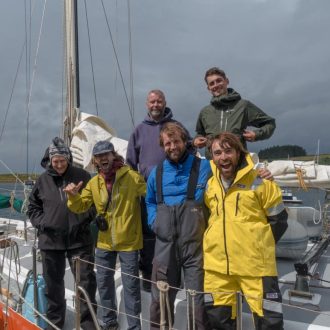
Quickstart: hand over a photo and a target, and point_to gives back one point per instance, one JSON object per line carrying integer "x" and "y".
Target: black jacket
{"x": 59, "y": 228}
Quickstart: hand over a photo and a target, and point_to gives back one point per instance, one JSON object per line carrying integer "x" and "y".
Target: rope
{"x": 17, "y": 178}
{"x": 163, "y": 288}
{"x": 27, "y": 192}
{"x": 300, "y": 175}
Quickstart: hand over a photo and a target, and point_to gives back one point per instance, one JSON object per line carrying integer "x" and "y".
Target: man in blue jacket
{"x": 176, "y": 215}
{"x": 143, "y": 154}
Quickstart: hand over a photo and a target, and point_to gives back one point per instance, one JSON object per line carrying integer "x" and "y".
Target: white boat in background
{"x": 289, "y": 198}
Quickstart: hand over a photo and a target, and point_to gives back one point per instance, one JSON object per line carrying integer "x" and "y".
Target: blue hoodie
{"x": 143, "y": 150}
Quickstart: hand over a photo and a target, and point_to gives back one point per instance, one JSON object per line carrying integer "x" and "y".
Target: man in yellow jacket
{"x": 247, "y": 219}
{"x": 115, "y": 191}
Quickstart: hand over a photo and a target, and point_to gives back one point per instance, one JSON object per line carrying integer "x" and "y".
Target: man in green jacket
{"x": 227, "y": 111}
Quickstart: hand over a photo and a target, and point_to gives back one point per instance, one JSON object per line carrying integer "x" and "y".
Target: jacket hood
{"x": 225, "y": 100}
{"x": 166, "y": 117}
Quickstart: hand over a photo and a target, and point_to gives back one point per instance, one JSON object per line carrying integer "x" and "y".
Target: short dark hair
{"x": 172, "y": 128}
{"x": 214, "y": 70}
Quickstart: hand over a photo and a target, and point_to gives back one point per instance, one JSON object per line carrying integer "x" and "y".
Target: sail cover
{"x": 307, "y": 174}
{"x": 87, "y": 131}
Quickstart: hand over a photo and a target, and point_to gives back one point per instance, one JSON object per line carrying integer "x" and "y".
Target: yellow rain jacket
{"x": 239, "y": 239}
{"x": 124, "y": 231}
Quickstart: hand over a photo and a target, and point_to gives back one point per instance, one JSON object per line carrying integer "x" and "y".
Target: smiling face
{"x": 104, "y": 161}
{"x": 217, "y": 84}
{"x": 174, "y": 146}
{"x": 156, "y": 105}
{"x": 226, "y": 159}
{"x": 59, "y": 164}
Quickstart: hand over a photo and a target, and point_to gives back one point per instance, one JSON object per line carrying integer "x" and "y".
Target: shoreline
{"x": 9, "y": 178}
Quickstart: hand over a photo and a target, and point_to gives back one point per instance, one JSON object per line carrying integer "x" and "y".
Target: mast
{"x": 71, "y": 69}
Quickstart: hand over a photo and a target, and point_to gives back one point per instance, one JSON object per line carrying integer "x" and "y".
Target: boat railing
{"x": 188, "y": 301}
{"x": 80, "y": 290}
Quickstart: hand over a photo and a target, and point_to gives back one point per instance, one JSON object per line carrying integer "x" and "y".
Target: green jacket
{"x": 232, "y": 114}
{"x": 124, "y": 215}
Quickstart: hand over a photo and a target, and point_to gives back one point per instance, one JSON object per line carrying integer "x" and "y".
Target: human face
{"x": 174, "y": 146}
{"x": 59, "y": 164}
{"x": 217, "y": 84}
{"x": 156, "y": 105}
{"x": 226, "y": 159}
{"x": 104, "y": 161}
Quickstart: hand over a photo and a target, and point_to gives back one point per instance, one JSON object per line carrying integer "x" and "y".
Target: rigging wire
{"x": 63, "y": 73}
{"x": 130, "y": 55}
{"x": 16, "y": 75}
{"x": 34, "y": 69}
{"x": 91, "y": 58}
{"x": 12, "y": 92}
{"x": 27, "y": 75}
{"x": 118, "y": 65}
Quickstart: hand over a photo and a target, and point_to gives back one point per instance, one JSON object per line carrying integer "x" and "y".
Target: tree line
{"x": 282, "y": 152}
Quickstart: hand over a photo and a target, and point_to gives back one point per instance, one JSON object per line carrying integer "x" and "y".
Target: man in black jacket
{"x": 62, "y": 233}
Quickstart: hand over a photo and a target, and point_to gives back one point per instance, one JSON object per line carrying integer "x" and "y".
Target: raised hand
{"x": 73, "y": 189}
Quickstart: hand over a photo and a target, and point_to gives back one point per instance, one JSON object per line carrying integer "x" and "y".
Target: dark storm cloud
{"x": 276, "y": 54}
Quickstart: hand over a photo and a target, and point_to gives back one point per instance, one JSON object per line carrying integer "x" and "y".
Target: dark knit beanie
{"x": 58, "y": 148}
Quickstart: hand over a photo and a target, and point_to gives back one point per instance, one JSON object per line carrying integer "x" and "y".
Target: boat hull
{"x": 11, "y": 320}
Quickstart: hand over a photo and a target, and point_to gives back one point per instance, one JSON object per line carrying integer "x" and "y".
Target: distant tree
{"x": 280, "y": 152}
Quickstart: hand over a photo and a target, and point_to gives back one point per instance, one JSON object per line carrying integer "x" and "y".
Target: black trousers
{"x": 149, "y": 239}
{"x": 53, "y": 264}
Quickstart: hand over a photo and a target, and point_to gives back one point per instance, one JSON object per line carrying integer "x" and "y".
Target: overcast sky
{"x": 276, "y": 53}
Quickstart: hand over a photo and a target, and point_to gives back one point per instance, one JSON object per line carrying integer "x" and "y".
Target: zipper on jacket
{"x": 111, "y": 210}
{"x": 216, "y": 197}
{"x": 237, "y": 199}
{"x": 223, "y": 218}
{"x": 224, "y": 233}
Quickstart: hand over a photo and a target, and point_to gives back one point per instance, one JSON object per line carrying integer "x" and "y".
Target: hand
{"x": 264, "y": 173}
{"x": 200, "y": 142}
{"x": 249, "y": 135}
{"x": 73, "y": 189}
